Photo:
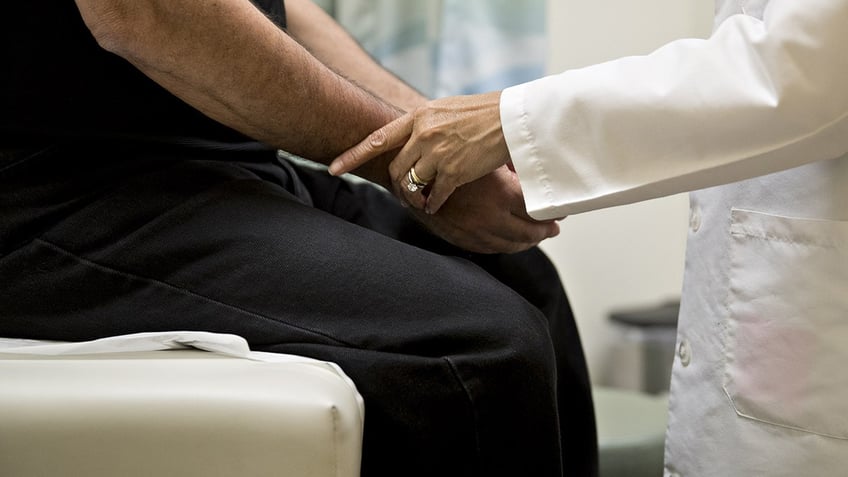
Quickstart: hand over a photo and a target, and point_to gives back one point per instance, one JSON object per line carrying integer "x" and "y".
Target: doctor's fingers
{"x": 391, "y": 136}
{"x": 457, "y": 169}
{"x": 411, "y": 174}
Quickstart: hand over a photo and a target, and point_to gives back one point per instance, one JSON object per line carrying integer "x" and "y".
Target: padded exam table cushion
{"x": 177, "y": 412}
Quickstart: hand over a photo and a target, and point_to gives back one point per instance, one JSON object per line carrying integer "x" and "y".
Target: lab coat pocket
{"x": 787, "y": 332}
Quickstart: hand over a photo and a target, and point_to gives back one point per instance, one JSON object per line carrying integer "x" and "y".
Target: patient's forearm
{"x": 331, "y": 44}
{"x": 229, "y": 61}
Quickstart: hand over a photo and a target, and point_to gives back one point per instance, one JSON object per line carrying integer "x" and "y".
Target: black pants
{"x": 468, "y": 364}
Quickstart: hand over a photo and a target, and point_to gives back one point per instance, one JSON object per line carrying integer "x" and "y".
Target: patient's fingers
{"x": 439, "y": 194}
{"x": 388, "y": 137}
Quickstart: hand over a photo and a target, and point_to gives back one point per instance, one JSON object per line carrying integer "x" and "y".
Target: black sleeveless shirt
{"x": 58, "y": 85}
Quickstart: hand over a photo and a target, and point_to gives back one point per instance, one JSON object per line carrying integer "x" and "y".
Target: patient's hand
{"x": 488, "y": 216}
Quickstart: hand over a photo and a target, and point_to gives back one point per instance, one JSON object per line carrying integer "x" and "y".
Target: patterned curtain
{"x": 448, "y": 47}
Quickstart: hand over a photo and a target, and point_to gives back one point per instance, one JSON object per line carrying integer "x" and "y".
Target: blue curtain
{"x": 448, "y": 47}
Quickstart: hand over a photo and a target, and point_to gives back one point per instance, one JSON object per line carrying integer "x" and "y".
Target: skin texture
{"x": 450, "y": 141}
{"x": 311, "y": 91}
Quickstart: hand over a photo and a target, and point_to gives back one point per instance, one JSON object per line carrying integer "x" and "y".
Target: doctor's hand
{"x": 488, "y": 216}
{"x": 446, "y": 143}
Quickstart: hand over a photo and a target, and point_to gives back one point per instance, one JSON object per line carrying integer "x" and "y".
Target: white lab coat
{"x": 757, "y": 118}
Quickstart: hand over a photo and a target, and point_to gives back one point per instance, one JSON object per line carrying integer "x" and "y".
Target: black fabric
{"x": 59, "y": 85}
{"x": 461, "y": 374}
{"x": 469, "y": 364}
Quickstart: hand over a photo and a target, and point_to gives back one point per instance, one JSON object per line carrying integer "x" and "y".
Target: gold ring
{"x": 413, "y": 181}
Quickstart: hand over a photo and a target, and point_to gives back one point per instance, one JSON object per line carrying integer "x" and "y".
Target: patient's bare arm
{"x": 226, "y": 59}
{"x": 333, "y": 46}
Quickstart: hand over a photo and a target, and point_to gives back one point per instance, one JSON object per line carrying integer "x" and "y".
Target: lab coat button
{"x": 695, "y": 219}
{"x": 684, "y": 352}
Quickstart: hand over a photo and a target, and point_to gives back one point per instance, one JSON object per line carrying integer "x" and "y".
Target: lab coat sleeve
{"x": 758, "y": 96}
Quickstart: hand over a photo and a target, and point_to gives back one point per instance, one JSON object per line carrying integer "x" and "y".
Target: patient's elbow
{"x": 112, "y": 24}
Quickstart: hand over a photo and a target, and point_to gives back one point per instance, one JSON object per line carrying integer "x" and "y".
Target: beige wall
{"x": 630, "y": 255}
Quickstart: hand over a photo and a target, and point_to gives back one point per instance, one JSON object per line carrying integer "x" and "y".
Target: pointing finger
{"x": 388, "y": 137}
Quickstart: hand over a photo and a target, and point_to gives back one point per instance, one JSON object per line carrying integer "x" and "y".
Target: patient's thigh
{"x": 440, "y": 349}
{"x": 215, "y": 246}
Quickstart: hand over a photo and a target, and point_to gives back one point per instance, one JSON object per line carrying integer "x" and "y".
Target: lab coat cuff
{"x": 521, "y": 142}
